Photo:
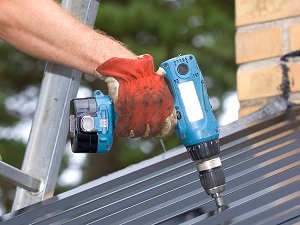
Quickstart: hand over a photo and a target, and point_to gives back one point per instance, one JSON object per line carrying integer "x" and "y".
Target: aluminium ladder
{"x": 37, "y": 179}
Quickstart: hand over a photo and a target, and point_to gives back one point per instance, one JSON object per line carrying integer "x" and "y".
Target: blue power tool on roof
{"x": 92, "y": 122}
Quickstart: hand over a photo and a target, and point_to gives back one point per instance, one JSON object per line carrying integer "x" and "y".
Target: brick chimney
{"x": 266, "y": 30}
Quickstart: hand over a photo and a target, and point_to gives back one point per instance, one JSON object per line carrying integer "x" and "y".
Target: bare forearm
{"x": 44, "y": 30}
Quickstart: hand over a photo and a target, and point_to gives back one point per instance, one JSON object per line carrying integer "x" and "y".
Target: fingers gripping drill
{"x": 92, "y": 122}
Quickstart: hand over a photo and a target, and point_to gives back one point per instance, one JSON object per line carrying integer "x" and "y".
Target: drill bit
{"x": 218, "y": 199}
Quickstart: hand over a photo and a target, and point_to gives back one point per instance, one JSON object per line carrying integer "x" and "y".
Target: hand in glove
{"x": 142, "y": 100}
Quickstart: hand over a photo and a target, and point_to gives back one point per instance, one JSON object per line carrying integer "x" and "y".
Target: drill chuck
{"x": 212, "y": 178}
{"x": 209, "y": 167}
{"x": 211, "y": 175}
{"x": 204, "y": 149}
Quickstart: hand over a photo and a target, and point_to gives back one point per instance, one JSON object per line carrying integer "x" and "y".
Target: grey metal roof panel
{"x": 261, "y": 162}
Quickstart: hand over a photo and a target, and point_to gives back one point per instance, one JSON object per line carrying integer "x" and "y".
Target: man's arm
{"x": 43, "y": 29}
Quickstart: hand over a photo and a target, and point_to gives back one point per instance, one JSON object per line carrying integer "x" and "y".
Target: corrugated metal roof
{"x": 261, "y": 163}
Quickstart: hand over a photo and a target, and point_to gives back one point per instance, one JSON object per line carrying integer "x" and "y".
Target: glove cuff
{"x": 98, "y": 75}
{"x": 124, "y": 68}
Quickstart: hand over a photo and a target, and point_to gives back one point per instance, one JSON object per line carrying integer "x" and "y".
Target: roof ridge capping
{"x": 279, "y": 105}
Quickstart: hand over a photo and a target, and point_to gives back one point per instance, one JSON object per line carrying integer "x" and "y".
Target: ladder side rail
{"x": 49, "y": 131}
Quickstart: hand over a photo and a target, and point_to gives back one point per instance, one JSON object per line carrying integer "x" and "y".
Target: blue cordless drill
{"x": 92, "y": 122}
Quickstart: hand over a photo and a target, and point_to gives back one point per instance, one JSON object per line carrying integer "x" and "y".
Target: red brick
{"x": 294, "y": 36}
{"x": 257, "y": 11}
{"x": 259, "y": 44}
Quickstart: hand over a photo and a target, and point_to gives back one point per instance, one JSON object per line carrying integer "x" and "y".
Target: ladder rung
{"x": 19, "y": 178}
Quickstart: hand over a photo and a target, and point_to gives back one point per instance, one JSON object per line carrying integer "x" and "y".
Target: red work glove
{"x": 142, "y": 100}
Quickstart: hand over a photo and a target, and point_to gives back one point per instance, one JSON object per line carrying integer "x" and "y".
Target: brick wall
{"x": 266, "y": 30}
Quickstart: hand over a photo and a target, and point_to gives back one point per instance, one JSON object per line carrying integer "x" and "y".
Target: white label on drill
{"x": 103, "y": 123}
{"x": 190, "y": 101}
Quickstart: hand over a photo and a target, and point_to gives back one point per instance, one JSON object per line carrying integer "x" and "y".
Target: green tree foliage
{"x": 162, "y": 28}
{"x": 12, "y": 153}
{"x": 18, "y": 72}
{"x": 168, "y": 28}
